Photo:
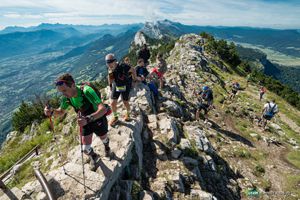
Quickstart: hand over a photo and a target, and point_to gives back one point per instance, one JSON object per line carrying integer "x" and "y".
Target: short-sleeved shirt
{"x": 142, "y": 71}
{"x": 263, "y": 90}
{"x": 78, "y": 101}
{"x": 271, "y": 107}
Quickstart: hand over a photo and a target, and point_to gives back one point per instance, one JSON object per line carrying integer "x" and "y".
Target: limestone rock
{"x": 173, "y": 108}
{"x": 185, "y": 144}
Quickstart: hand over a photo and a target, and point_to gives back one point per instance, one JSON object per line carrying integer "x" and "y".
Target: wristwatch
{"x": 90, "y": 118}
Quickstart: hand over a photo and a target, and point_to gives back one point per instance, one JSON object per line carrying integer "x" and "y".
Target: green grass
{"x": 259, "y": 170}
{"x": 289, "y": 133}
{"x": 266, "y": 185}
{"x": 244, "y": 127}
{"x": 242, "y": 153}
{"x": 259, "y": 155}
{"x": 180, "y": 102}
{"x": 24, "y": 176}
{"x": 9, "y": 158}
{"x": 294, "y": 158}
{"x": 13, "y": 151}
{"x": 292, "y": 185}
{"x": 136, "y": 190}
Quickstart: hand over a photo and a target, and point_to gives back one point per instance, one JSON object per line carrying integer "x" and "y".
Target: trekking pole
{"x": 81, "y": 149}
{"x": 54, "y": 137}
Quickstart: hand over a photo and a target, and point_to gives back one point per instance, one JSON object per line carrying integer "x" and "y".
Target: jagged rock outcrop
{"x": 139, "y": 39}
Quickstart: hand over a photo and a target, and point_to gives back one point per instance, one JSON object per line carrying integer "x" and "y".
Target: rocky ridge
{"x": 168, "y": 155}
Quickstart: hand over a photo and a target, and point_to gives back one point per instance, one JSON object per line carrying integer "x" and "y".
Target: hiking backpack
{"x": 207, "y": 95}
{"x": 85, "y": 99}
{"x": 271, "y": 112}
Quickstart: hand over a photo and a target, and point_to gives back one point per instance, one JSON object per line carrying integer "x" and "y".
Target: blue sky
{"x": 258, "y": 13}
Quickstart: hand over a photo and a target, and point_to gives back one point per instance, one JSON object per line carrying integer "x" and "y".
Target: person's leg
{"x": 161, "y": 83}
{"x": 115, "y": 113}
{"x": 260, "y": 96}
{"x": 105, "y": 141}
{"x": 100, "y": 128}
{"x": 114, "y": 100}
{"x": 265, "y": 124}
{"x": 125, "y": 98}
{"x": 127, "y": 106}
{"x": 206, "y": 113}
{"x": 197, "y": 114}
{"x": 88, "y": 150}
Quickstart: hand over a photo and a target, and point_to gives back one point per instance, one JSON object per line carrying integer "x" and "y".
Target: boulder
{"x": 169, "y": 126}
{"x": 185, "y": 144}
{"x": 198, "y": 135}
{"x": 275, "y": 126}
{"x": 173, "y": 108}
{"x": 199, "y": 194}
{"x": 176, "y": 153}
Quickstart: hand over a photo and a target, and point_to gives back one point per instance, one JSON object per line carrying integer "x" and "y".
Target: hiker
{"x": 249, "y": 79}
{"x": 268, "y": 112}
{"x": 91, "y": 113}
{"x": 262, "y": 91}
{"x": 234, "y": 89}
{"x": 131, "y": 75}
{"x": 144, "y": 53}
{"x": 127, "y": 61}
{"x": 141, "y": 71}
{"x": 160, "y": 69}
{"x": 206, "y": 94}
{"x": 119, "y": 80}
{"x": 142, "y": 75}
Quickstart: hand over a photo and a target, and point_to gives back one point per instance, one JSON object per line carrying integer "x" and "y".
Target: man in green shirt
{"x": 91, "y": 113}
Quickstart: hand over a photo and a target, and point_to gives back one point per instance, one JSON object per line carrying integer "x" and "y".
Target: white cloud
{"x": 200, "y": 12}
{"x": 12, "y": 15}
{"x": 22, "y": 16}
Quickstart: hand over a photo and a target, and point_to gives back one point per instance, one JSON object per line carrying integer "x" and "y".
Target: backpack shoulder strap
{"x": 273, "y": 107}
{"x": 83, "y": 96}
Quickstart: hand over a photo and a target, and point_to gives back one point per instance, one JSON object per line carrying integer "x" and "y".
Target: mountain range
{"x": 32, "y": 57}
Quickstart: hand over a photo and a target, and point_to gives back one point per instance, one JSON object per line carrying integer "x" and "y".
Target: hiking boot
{"x": 107, "y": 151}
{"x": 126, "y": 117}
{"x": 113, "y": 121}
{"x": 93, "y": 160}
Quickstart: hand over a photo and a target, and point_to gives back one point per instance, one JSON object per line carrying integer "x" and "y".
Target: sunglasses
{"x": 60, "y": 82}
{"x": 110, "y": 61}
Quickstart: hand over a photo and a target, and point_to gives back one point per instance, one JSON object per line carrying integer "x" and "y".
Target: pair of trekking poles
{"x": 59, "y": 150}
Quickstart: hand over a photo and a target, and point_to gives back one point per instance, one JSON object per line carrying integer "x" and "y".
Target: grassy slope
{"x": 258, "y": 158}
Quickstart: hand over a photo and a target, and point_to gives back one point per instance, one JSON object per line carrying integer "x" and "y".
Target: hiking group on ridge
{"x": 122, "y": 77}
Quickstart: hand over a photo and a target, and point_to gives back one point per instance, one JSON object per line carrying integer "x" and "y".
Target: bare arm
{"x": 59, "y": 112}
{"x": 133, "y": 72}
{"x": 101, "y": 111}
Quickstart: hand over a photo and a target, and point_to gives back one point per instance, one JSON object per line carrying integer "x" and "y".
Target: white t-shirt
{"x": 268, "y": 107}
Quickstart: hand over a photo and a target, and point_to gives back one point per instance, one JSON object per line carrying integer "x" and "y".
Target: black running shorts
{"x": 99, "y": 127}
{"x": 203, "y": 106}
{"x": 124, "y": 95}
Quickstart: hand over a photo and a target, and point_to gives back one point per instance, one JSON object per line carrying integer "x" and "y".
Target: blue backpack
{"x": 271, "y": 112}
